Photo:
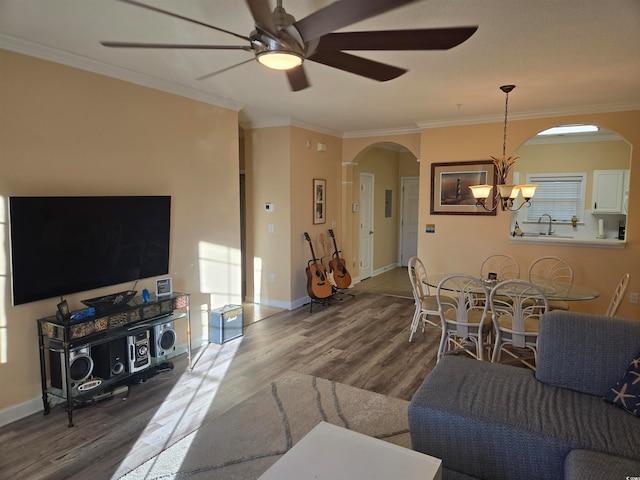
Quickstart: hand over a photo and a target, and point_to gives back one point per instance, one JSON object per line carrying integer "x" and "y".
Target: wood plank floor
{"x": 360, "y": 341}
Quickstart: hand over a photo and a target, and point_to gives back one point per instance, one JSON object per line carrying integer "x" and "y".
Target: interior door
{"x": 409, "y": 216}
{"x": 366, "y": 225}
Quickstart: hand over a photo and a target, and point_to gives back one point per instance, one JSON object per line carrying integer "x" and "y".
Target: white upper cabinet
{"x": 609, "y": 187}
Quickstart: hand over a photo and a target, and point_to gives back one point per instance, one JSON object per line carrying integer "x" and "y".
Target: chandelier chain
{"x": 504, "y": 138}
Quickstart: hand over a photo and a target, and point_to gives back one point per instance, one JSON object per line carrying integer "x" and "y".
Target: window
{"x": 560, "y": 195}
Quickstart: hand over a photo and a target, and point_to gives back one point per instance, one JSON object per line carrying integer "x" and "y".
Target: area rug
{"x": 245, "y": 441}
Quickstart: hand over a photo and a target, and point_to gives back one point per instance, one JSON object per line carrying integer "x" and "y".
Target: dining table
{"x": 554, "y": 291}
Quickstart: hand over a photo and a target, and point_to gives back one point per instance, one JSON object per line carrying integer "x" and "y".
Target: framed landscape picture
{"x": 450, "y": 192}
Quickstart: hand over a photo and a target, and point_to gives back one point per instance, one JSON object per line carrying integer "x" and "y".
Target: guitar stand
{"x": 327, "y": 301}
{"x": 322, "y": 301}
{"x": 342, "y": 291}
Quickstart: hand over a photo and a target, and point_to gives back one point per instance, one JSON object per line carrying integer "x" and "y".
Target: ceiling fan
{"x": 282, "y": 43}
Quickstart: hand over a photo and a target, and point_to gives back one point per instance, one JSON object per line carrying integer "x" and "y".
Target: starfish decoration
{"x": 621, "y": 395}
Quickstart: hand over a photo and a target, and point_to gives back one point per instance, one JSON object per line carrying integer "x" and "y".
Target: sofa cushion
{"x": 626, "y": 393}
{"x": 594, "y": 363}
{"x": 587, "y": 465}
{"x": 496, "y": 421}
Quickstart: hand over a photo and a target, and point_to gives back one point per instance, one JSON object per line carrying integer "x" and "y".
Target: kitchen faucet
{"x": 550, "y": 220}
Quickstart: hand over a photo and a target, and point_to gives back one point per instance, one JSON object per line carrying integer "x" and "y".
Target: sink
{"x": 553, "y": 235}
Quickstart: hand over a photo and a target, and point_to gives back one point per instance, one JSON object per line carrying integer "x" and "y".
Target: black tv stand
{"x": 112, "y": 349}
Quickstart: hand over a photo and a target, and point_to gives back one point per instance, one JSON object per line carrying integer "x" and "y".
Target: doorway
{"x": 409, "y": 218}
{"x": 366, "y": 225}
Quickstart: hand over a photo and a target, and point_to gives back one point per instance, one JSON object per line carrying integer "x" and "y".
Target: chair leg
{"x": 414, "y": 323}
{"x": 495, "y": 357}
{"x": 443, "y": 342}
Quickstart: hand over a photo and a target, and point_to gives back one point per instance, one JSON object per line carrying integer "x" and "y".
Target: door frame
{"x": 401, "y": 260}
{"x": 371, "y": 212}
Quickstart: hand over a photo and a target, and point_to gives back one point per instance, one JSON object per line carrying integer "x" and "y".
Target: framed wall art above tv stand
{"x": 82, "y": 362}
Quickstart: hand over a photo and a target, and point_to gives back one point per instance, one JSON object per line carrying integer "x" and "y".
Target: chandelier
{"x": 505, "y": 194}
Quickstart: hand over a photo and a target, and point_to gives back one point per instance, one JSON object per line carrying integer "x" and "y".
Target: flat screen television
{"x": 64, "y": 245}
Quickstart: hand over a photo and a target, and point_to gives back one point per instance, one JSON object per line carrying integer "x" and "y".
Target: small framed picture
{"x": 319, "y": 200}
{"x": 164, "y": 286}
{"x": 63, "y": 311}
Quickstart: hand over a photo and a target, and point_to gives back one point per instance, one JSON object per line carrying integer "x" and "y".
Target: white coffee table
{"x": 332, "y": 452}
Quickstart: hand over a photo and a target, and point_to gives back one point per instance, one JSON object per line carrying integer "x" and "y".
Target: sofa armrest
{"x": 588, "y": 465}
{"x": 586, "y": 353}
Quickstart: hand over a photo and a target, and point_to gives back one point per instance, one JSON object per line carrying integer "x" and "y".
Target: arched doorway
{"x": 382, "y": 173}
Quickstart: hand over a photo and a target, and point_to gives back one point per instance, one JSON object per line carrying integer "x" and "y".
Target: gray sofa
{"x": 492, "y": 421}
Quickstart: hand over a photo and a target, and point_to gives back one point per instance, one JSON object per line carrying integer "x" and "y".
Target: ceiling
{"x": 573, "y": 56}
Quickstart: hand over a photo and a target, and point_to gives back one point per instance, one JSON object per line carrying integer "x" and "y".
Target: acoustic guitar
{"x": 340, "y": 274}
{"x": 326, "y": 263}
{"x": 317, "y": 284}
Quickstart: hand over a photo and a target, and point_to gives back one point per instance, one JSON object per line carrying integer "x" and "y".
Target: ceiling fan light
{"x": 280, "y": 60}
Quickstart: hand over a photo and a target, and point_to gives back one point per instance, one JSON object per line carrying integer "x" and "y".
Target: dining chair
{"x": 426, "y": 303}
{"x": 463, "y": 307}
{"x": 618, "y": 295}
{"x": 516, "y": 308}
{"x": 554, "y": 276}
{"x": 504, "y": 266}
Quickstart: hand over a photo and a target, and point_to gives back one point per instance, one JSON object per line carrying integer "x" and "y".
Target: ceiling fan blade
{"x": 420, "y": 39}
{"x": 341, "y": 14}
{"x": 297, "y": 79}
{"x": 217, "y": 72}
{"x": 177, "y": 46}
{"x": 261, "y": 13}
{"x": 358, "y": 65}
{"x": 175, "y": 15}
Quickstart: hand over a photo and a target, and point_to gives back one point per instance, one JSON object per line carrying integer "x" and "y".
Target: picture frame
{"x": 164, "y": 286}
{"x": 64, "y": 312}
{"x": 319, "y": 200}
{"x": 450, "y": 193}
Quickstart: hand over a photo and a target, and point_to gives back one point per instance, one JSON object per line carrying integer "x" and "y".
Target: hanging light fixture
{"x": 505, "y": 194}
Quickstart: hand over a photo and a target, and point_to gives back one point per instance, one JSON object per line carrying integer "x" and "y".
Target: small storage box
{"x": 225, "y": 323}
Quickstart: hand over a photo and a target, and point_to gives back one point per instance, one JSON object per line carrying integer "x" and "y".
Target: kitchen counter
{"x": 566, "y": 241}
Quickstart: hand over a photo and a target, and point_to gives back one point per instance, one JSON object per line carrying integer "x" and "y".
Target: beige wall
{"x": 281, "y": 163}
{"x": 268, "y": 174}
{"x": 460, "y": 242}
{"x": 69, "y": 132}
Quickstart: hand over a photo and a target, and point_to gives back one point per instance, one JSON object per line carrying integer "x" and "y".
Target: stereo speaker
{"x": 110, "y": 358}
{"x": 138, "y": 346}
{"x": 163, "y": 341}
{"x": 80, "y": 368}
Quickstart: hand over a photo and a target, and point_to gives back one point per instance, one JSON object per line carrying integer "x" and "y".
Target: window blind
{"x": 561, "y": 195}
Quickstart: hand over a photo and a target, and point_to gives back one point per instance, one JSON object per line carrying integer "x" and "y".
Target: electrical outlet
{"x": 633, "y": 298}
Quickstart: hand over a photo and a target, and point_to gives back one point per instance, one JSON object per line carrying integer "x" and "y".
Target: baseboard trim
{"x": 382, "y": 270}
{"x": 18, "y": 412}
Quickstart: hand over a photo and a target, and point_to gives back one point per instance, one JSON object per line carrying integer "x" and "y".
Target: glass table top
{"x": 557, "y": 291}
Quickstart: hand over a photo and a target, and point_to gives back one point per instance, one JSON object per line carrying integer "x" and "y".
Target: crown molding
{"x": 559, "y": 112}
{"x": 25, "y": 47}
{"x": 382, "y": 133}
{"x": 288, "y": 122}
